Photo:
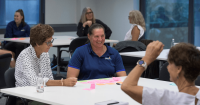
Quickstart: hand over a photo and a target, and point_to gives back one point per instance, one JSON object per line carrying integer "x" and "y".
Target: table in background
{"x": 59, "y": 42}
{"x": 163, "y": 55}
{"x": 59, "y": 95}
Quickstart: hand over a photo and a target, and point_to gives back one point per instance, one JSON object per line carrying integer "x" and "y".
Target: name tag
{"x": 108, "y": 58}
{"x": 22, "y": 30}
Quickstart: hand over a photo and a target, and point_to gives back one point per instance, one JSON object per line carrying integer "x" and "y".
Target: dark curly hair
{"x": 40, "y": 33}
{"x": 187, "y": 56}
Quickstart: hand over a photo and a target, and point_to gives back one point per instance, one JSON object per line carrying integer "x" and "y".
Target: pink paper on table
{"x": 112, "y": 80}
{"x": 116, "y": 78}
{"x": 87, "y": 89}
{"x": 91, "y": 87}
{"x": 13, "y": 38}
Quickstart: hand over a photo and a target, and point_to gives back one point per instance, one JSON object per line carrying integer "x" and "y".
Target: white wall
{"x": 60, "y": 11}
{"x": 115, "y": 13}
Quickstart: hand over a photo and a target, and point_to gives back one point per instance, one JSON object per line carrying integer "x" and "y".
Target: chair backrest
{"x": 125, "y": 46}
{"x": 145, "y": 41}
{"x": 4, "y": 65}
{"x": 153, "y": 69}
{"x": 197, "y": 82}
{"x": 77, "y": 43}
{"x": 164, "y": 74}
{"x": 10, "y": 78}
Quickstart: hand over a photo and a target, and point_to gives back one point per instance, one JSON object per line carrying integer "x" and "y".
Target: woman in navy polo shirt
{"x": 14, "y": 29}
{"x": 96, "y": 59}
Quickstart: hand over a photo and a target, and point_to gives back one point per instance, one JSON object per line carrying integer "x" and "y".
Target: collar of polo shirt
{"x": 108, "y": 49}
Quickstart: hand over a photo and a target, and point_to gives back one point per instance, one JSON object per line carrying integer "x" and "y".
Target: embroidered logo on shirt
{"x": 22, "y": 30}
{"x": 108, "y": 58}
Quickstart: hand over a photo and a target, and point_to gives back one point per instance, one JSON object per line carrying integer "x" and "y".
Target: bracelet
{"x": 62, "y": 81}
{"x": 12, "y": 59}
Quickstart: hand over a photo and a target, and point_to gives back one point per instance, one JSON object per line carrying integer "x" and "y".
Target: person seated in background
{"x": 12, "y": 62}
{"x": 184, "y": 60}
{"x": 35, "y": 59}
{"x": 14, "y": 29}
{"x": 137, "y": 29}
{"x": 86, "y": 20}
{"x": 96, "y": 59}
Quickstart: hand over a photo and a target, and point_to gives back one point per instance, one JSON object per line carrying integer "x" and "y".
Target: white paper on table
{"x": 111, "y": 102}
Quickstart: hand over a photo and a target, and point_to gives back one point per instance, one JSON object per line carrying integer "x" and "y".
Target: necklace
{"x": 185, "y": 87}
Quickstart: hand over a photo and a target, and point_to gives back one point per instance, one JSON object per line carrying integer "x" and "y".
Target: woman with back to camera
{"x": 15, "y": 29}
{"x": 86, "y": 20}
{"x": 137, "y": 29}
{"x": 184, "y": 60}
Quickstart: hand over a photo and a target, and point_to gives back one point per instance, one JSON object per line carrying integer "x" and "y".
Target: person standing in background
{"x": 137, "y": 29}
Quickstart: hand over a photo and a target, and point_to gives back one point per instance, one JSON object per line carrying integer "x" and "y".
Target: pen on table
{"x": 113, "y": 103}
{"x": 118, "y": 83}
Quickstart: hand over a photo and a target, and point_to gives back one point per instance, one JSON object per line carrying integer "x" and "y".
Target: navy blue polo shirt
{"x": 13, "y": 31}
{"x": 92, "y": 66}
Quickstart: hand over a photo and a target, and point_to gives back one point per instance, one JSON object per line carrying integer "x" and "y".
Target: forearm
{"x": 54, "y": 83}
{"x": 134, "y": 75}
{"x": 121, "y": 73}
{"x": 134, "y": 38}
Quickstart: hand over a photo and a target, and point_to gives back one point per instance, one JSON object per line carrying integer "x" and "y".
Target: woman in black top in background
{"x": 87, "y": 19}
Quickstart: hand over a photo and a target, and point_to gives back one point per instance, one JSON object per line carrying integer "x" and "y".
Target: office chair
{"x": 129, "y": 46}
{"x": 164, "y": 74}
{"x": 197, "y": 82}
{"x": 153, "y": 69}
{"x": 10, "y": 83}
{"x": 4, "y": 65}
{"x": 72, "y": 47}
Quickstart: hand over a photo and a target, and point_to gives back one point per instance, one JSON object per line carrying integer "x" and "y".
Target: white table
{"x": 59, "y": 42}
{"x": 163, "y": 55}
{"x": 59, "y": 95}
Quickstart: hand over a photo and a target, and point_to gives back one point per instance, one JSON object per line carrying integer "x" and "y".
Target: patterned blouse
{"x": 28, "y": 66}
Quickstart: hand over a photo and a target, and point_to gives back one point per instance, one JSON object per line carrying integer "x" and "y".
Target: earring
{"x": 177, "y": 77}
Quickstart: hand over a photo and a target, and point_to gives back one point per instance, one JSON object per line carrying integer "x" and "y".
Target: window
{"x": 166, "y": 19}
{"x": 196, "y": 22}
{"x": 31, "y": 10}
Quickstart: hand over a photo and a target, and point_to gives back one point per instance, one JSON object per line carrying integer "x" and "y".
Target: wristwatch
{"x": 142, "y": 64}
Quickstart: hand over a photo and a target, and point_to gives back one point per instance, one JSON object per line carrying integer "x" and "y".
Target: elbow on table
{"x": 125, "y": 87}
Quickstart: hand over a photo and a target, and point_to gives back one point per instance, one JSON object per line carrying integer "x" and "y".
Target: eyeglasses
{"x": 87, "y": 13}
{"x": 50, "y": 42}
